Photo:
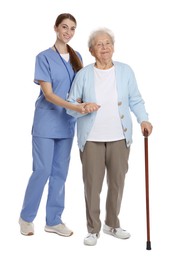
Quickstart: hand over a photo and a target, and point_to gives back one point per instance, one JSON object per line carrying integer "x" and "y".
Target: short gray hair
{"x": 94, "y": 34}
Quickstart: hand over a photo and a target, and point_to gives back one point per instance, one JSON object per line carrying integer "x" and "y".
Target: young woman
{"x": 53, "y": 129}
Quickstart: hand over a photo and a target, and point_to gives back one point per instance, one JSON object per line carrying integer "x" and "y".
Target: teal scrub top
{"x": 52, "y": 121}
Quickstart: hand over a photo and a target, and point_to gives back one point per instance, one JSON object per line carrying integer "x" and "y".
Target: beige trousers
{"x": 97, "y": 159}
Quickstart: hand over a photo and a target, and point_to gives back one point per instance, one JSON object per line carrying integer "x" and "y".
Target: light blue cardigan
{"x": 129, "y": 99}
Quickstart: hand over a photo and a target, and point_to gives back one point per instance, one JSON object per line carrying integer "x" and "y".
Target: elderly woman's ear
{"x": 91, "y": 51}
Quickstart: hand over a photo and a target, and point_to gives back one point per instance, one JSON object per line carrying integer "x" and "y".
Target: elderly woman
{"x": 105, "y": 136}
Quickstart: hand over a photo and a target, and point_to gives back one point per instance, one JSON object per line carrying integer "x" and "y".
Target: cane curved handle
{"x": 146, "y": 133}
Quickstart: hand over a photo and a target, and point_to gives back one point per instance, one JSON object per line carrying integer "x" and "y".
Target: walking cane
{"x": 148, "y": 243}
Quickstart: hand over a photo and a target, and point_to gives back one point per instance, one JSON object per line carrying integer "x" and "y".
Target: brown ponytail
{"x": 74, "y": 59}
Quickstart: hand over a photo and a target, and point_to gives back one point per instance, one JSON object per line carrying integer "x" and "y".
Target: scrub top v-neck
{"x": 52, "y": 121}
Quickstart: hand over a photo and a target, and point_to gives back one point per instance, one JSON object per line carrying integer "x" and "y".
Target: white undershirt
{"x": 107, "y": 125}
{"x": 65, "y": 56}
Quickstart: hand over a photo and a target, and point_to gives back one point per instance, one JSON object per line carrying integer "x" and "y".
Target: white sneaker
{"x": 91, "y": 239}
{"x": 26, "y": 228}
{"x": 116, "y": 232}
{"x": 59, "y": 229}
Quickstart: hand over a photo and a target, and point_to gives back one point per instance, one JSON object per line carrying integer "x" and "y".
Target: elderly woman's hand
{"x": 145, "y": 125}
{"x": 91, "y": 107}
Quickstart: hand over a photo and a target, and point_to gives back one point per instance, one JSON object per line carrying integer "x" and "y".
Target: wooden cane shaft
{"x": 147, "y": 188}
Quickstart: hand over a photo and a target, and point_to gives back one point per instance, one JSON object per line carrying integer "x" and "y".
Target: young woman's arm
{"x": 53, "y": 98}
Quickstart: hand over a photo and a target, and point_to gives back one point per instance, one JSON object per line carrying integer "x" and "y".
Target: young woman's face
{"x": 65, "y": 30}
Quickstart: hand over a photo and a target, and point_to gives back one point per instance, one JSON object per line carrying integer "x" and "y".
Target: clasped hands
{"x": 87, "y": 107}
{"x": 91, "y": 107}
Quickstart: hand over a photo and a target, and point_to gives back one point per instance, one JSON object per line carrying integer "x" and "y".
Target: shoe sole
{"x": 27, "y": 234}
{"x": 58, "y": 233}
{"x": 87, "y": 244}
{"x": 113, "y": 234}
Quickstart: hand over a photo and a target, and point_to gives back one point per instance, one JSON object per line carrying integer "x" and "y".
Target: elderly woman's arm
{"x": 76, "y": 97}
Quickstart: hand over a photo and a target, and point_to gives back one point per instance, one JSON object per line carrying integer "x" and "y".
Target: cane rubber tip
{"x": 148, "y": 245}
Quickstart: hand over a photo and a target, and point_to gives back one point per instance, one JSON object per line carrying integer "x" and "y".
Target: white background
{"x": 143, "y": 40}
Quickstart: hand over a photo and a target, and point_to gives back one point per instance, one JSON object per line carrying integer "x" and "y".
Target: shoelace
{"x": 92, "y": 235}
{"x": 115, "y": 230}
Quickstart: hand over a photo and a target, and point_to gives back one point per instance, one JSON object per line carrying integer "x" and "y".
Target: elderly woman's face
{"x": 102, "y": 47}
